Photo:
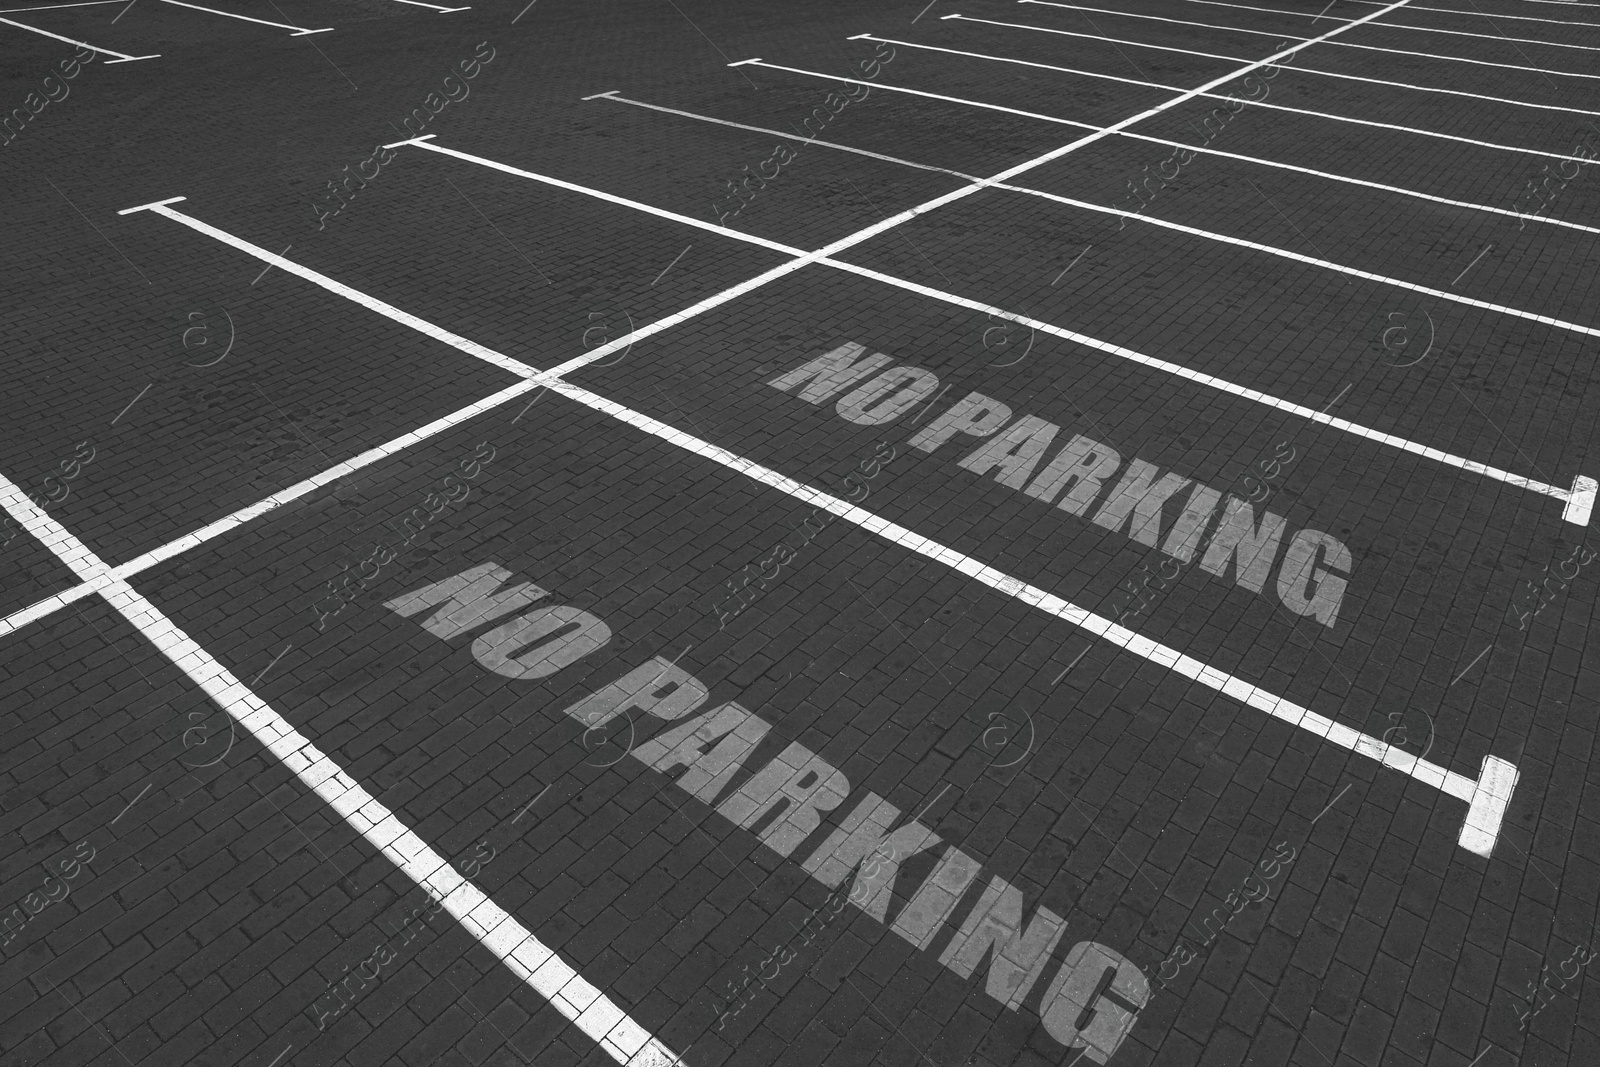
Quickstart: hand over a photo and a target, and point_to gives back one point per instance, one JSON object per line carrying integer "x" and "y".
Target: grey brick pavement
{"x": 225, "y": 907}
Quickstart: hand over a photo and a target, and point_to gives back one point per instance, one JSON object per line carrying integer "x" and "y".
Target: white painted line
{"x": 43, "y": 608}
{"x": 436, "y": 7}
{"x": 51, "y": 7}
{"x": 1487, "y": 796}
{"x": 18, "y": 619}
{"x": 153, "y": 204}
{"x": 1478, "y": 14}
{"x": 1083, "y": 205}
{"x": 1448, "y": 781}
{"x": 1340, "y": 44}
{"x": 533, "y": 379}
{"x": 372, "y": 303}
{"x": 411, "y": 140}
{"x": 1580, "y": 503}
{"x": 472, "y": 348}
{"x": 886, "y": 87}
{"x": 1222, "y": 385}
{"x": 1487, "y": 807}
{"x": 1284, "y": 253}
{"x": 1124, "y": 133}
{"x": 1301, "y": 70}
{"x": 299, "y": 32}
{"x": 499, "y": 932}
{"x": 1183, "y": 97}
{"x": 612, "y": 95}
{"x": 1219, "y": 96}
{"x": 1422, "y": 29}
{"x": 1178, "y": 370}
{"x": 122, "y": 57}
{"x": 788, "y": 250}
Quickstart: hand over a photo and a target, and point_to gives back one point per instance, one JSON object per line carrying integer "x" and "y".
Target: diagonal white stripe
{"x": 1339, "y": 44}
{"x": 516, "y": 947}
{"x": 1222, "y": 384}
{"x": 1497, "y": 14}
{"x": 1274, "y": 164}
{"x": 1479, "y": 830}
{"x": 1403, "y": 26}
{"x": 1300, "y": 69}
{"x": 1219, "y": 96}
{"x": 121, "y": 57}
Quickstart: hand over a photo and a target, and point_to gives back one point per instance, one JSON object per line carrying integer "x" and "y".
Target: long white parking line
{"x": 529, "y": 959}
{"x": 122, "y": 57}
{"x": 51, "y": 7}
{"x": 612, "y": 95}
{"x": 1297, "y": 257}
{"x": 1340, "y": 44}
{"x": 299, "y": 31}
{"x": 1084, "y": 205}
{"x": 1577, "y": 500}
{"x": 438, "y": 333}
{"x": 1300, "y": 70}
{"x": 1217, "y": 96}
{"x": 1479, "y": 14}
{"x": 51, "y": 604}
{"x": 1402, "y": 26}
{"x": 1487, "y": 796}
{"x": 436, "y": 7}
{"x": 1573, "y": 497}
{"x": 1545, "y": 220}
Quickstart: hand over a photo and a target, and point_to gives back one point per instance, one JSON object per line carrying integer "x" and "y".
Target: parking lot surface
{"x": 671, "y": 532}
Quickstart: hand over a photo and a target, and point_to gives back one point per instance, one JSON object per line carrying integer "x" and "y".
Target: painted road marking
{"x": 1354, "y": 272}
{"x": 436, "y": 7}
{"x": 591, "y": 1010}
{"x": 1208, "y": 95}
{"x": 1474, "y": 14}
{"x": 1340, "y": 44}
{"x": 18, "y": 619}
{"x": 472, "y": 348}
{"x": 299, "y": 32}
{"x": 121, "y": 57}
{"x": 1571, "y": 514}
{"x": 613, "y": 95}
{"x": 1580, "y": 504}
{"x": 1299, "y": 70}
{"x": 1381, "y": 279}
{"x": 372, "y": 303}
{"x": 1402, "y": 26}
{"x": 51, "y": 7}
{"x": 1487, "y": 797}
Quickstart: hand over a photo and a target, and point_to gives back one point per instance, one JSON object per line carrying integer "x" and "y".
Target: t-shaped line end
{"x": 147, "y": 207}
